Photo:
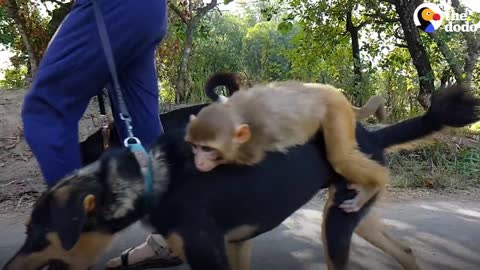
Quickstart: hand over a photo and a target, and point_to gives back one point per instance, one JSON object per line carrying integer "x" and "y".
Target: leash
{"x": 131, "y": 142}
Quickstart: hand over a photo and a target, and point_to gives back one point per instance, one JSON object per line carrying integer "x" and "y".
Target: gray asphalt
{"x": 443, "y": 235}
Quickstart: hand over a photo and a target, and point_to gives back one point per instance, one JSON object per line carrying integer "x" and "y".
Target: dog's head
{"x": 73, "y": 223}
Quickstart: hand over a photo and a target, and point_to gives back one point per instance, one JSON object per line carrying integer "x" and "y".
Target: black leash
{"x": 132, "y": 142}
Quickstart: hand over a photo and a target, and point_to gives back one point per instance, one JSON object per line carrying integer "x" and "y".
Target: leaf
{"x": 284, "y": 27}
{"x": 226, "y": 2}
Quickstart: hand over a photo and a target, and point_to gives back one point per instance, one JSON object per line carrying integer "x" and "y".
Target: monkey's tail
{"x": 374, "y": 106}
{"x": 228, "y": 79}
{"x": 455, "y": 106}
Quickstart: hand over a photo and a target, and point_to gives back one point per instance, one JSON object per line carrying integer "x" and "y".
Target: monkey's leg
{"x": 369, "y": 176}
{"x": 239, "y": 254}
{"x": 372, "y": 230}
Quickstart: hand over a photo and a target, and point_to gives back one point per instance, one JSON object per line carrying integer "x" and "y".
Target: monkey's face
{"x": 223, "y": 149}
{"x": 215, "y": 137}
{"x": 206, "y": 158}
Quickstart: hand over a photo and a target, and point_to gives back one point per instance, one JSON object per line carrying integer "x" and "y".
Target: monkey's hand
{"x": 364, "y": 194}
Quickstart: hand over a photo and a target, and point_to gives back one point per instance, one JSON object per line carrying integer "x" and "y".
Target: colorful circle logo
{"x": 428, "y": 17}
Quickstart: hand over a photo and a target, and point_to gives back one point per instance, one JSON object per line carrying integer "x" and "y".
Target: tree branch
{"x": 178, "y": 12}
{"x": 400, "y": 45}
{"x": 449, "y": 56}
{"x": 205, "y": 9}
{"x": 361, "y": 25}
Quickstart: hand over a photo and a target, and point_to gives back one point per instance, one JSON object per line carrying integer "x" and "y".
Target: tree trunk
{"x": 182, "y": 70}
{"x": 13, "y": 12}
{"x": 58, "y": 15}
{"x": 405, "y": 9}
{"x": 191, "y": 24}
{"x": 357, "y": 70}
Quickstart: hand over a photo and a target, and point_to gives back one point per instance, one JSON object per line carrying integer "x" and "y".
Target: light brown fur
{"x": 280, "y": 115}
{"x": 374, "y": 106}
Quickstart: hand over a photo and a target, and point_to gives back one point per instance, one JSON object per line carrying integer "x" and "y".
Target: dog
{"x": 209, "y": 218}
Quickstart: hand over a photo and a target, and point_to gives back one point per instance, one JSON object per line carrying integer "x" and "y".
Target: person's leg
{"x": 140, "y": 90}
{"x": 65, "y": 81}
{"x": 74, "y": 69}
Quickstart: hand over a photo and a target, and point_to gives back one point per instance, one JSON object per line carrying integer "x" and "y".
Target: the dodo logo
{"x": 428, "y": 17}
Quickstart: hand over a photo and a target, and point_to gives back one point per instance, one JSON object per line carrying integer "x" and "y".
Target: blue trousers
{"x": 74, "y": 69}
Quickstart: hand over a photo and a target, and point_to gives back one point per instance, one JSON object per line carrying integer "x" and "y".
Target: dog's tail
{"x": 455, "y": 106}
{"x": 374, "y": 106}
{"x": 228, "y": 79}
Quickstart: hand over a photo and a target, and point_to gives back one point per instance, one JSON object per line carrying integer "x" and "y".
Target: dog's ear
{"x": 68, "y": 215}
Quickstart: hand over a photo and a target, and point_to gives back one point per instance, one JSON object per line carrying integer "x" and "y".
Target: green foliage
{"x": 7, "y": 31}
{"x": 14, "y": 78}
{"x": 443, "y": 165}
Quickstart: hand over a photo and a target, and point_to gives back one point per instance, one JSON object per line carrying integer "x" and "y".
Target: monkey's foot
{"x": 364, "y": 194}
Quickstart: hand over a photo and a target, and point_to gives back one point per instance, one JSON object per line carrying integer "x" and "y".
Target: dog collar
{"x": 145, "y": 162}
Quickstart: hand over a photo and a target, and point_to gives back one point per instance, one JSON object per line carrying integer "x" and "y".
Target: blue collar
{"x": 145, "y": 163}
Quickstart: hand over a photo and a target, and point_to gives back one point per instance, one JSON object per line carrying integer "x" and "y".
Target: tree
{"x": 190, "y": 12}
{"x": 463, "y": 59}
{"x": 34, "y": 30}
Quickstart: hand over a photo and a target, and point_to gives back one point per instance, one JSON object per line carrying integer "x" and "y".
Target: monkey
{"x": 279, "y": 115}
{"x": 374, "y": 106}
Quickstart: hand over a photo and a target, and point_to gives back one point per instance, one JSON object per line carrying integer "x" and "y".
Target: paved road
{"x": 444, "y": 235}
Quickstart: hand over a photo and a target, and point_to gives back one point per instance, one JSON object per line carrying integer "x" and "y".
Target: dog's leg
{"x": 202, "y": 247}
{"x": 244, "y": 255}
{"x": 239, "y": 254}
{"x": 338, "y": 226}
{"x": 372, "y": 230}
{"x": 326, "y": 207}
{"x": 336, "y": 234}
{"x": 232, "y": 254}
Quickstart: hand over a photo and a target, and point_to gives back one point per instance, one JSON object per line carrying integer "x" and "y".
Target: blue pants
{"x": 74, "y": 69}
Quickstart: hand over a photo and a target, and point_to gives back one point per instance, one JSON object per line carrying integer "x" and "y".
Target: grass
{"x": 441, "y": 165}
{"x": 475, "y": 128}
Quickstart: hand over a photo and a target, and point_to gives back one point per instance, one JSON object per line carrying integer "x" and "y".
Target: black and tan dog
{"x": 209, "y": 218}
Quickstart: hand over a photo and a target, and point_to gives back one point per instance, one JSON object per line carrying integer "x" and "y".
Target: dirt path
{"x": 444, "y": 232}
{"x": 20, "y": 179}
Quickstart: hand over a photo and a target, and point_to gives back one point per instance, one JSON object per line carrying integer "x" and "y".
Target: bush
{"x": 14, "y": 78}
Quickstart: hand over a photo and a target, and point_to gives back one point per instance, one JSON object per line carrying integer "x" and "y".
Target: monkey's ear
{"x": 192, "y": 117}
{"x": 242, "y": 134}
